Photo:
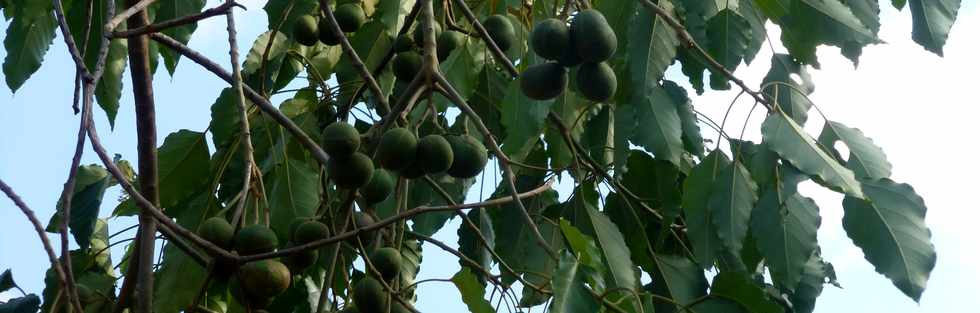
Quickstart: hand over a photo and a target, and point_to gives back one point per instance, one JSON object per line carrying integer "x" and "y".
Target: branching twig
{"x": 482, "y": 31}
{"x": 246, "y": 135}
{"x": 129, "y": 12}
{"x": 355, "y": 60}
{"x": 180, "y": 21}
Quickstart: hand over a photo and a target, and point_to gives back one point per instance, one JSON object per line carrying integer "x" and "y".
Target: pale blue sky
{"x": 918, "y": 107}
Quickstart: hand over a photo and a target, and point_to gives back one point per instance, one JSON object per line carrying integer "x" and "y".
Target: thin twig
{"x": 76, "y": 55}
{"x": 246, "y": 135}
{"x": 180, "y": 21}
{"x": 133, "y": 9}
{"x": 482, "y": 31}
{"x": 355, "y": 60}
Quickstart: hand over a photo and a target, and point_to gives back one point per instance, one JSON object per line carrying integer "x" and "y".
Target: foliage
{"x": 649, "y": 197}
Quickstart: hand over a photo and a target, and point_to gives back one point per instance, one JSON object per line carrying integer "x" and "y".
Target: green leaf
{"x": 179, "y": 277}
{"x": 784, "y": 226}
{"x": 225, "y": 118}
{"x": 27, "y": 304}
{"x": 697, "y": 191}
{"x": 253, "y": 61}
{"x": 276, "y": 12}
{"x": 110, "y": 86}
{"x": 7, "y": 281}
{"x": 658, "y": 128}
{"x": 420, "y": 193}
{"x": 88, "y": 37}
{"x": 167, "y": 10}
{"x": 677, "y": 278}
{"x": 794, "y": 145}
{"x": 29, "y": 35}
{"x": 739, "y": 288}
{"x": 582, "y": 245}
{"x": 523, "y": 119}
{"x": 293, "y": 191}
{"x": 568, "y": 283}
{"x": 931, "y": 22}
{"x": 372, "y": 43}
{"x": 890, "y": 228}
{"x": 691, "y": 135}
{"x": 651, "y": 47}
{"x": 472, "y": 292}
{"x": 784, "y": 91}
{"x": 866, "y": 159}
{"x": 733, "y": 195}
{"x": 757, "y": 23}
{"x": 598, "y": 136}
{"x": 807, "y": 24}
{"x": 90, "y": 184}
{"x": 469, "y": 240}
{"x": 813, "y": 277}
{"x": 393, "y": 14}
{"x": 183, "y": 166}
{"x": 573, "y": 111}
{"x": 463, "y": 66}
{"x": 729, "y": 35}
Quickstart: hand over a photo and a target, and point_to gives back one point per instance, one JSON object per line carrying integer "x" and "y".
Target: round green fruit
{"x": 594, "y": 40}
{"x": 596, "y": 81}
{"x": 404, "y": 43}
{"x": 362, "y": 220}
{"x": 434, "y": 154}
{"x": 501, "y": 31}
{"x": 310, "y": 231}
{"x": 396, "y": 150}
{"x": 406, "y": 65}
{"x": 350, "y": 17}
{"x": 378, "y": 188}
{"x": 327, "y": 35}
{"x": 370, "y": 296}
{"x": 218, "y": 231}
{"x": 351, "y": 172}
{"x": 299, "y": 262}
{"x": 419, "y": 33}
{"x": 544, "y": 81}
{"x": 413, "y": 171}
{"x": 340, "y": 140}
{"x": 469, "y": 157}
{"x": 447, "y": 42}
{"x": 305, "y": 32}
{"x": 256, "y": 239}
{"x": 550, "y": 38}
{"x": 388, "y": 261}
{"x": 265, "y": 278}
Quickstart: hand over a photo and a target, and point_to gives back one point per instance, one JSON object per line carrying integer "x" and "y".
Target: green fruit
{"x": 413, "y": 171}
{"x": 550, "y": 38}
{"x": 469, "y": 157}
{"x": 265, "y": 278}
{"x": 310, "y": 231}
{"x": 370, "y": 296}
{"x": 568, "y": 57}
{"x": 447, "y": 42}
{"x": 596, "y": 81}
{"x": 350, "y": 17}
{"x": 362, "y": 220}
{"x": 295, "y": 224}
{"x": 327, "y": 35}
{"x": 398, "y": 307}
{"x": 351, "y": 172}
{"x": 378, "y": 188}
{"x": 340, "y": 139}
{"x": 434, "y": 154}
{"x": 256, "y": 239}
{"x": 594, "y": 40}
{"x": 404, "y": 43}
{"x": 419, "y": 33}
{"x": 544, "y": 81}
{"x": 388, "y": 261}
{"x": 305, "y": 32}
{"x": 501, "y": 31}
{"x": 218, "y": 231}
{"x": 326, "y": 114}
{"x": 396, "y": 150}
{"x": 85, "y": 294}
{"x": 299, "y": 262}
{"x": 406, "y": 65}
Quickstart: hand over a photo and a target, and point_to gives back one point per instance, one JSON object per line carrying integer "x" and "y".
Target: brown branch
{"x": 253, "y": 96}
{"x": 180, "y": 21}
{"x": 355, "y": 60}
{"x": 246, "y": 135}
{"x": 458, "y": 254}
{"x": 482, "y": 31}
{"x": 129, "y": 12}
{"x": 76, "y": 55}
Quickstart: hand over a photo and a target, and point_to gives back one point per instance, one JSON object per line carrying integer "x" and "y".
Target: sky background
{"x": 920, "y": 108}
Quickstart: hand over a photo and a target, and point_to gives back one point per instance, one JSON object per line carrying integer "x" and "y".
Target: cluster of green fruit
{"x": 370, "y": 295}
{"x": 349, "y": 16}
{"x": 399, "y": 150}
{"x": 587, "y": 43}
{"x": 408, "y": 60}
{"x": 255, "y": 283}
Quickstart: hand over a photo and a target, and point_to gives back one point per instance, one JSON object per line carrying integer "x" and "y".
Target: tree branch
{"x": 354, "y": 58}
{"x": 76, "y": 55}
{"x": 180, "y": 21}
{"x": 236, "y": 83}
{"x": 482, "y": 31}
{"x": 129, "y": 12}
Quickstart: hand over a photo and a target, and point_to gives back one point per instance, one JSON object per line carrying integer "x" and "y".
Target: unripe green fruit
{"x": 406, "y": 65}
{"x": 434, "y": 154}
{"x": 256, "y": 239}
{"x": 350, "y": 17}
{"x": 218, "y": 231}
{"x": 544, "y": 81}
{"x": 85, "y": 294}
{"x": 362, "y": 220}
{"x": 388, "y": 262}
{"x": 396, "y": 150}
{"x": 419, "y": 34}
{"x": 568, "y": 57}
{"x": 378, "y": 188}
{"x": 596, "y": 81}
{"x": 310, "y": 231}
{"x": 550, "y": 38}
{"x": 447, "y": 42}
{"x": 413, "y": 171}
{"x": 469, "y": 157}
{"x": 265, "y": 278}
{"x": 327, "y": 34}
{"x": 594, "y": 40}
{"x": 305, "y": 32}
{"x": 351, "y": 172}
{"x": 295, "y": 224}
{"x": 370, "y": 296}
{"x": 404, "y": 43}
{"x": 501, "y": 31}
{"x": 299, "y": 262}
{"x": 326, "y": 114}
{"x": 340, "y": 139}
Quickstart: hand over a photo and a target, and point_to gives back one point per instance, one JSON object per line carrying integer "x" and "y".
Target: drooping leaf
{"x": 582, "y": 245}
{"x": 733, "y": 195}
{"x": 421, "y": 193}
{"x": 651, "y": 47}
{"x": 7, "y": 281}
{"x": 469, "y": 240}
{"x": 786, "y": 92}
{"x": 739, "y": 288}
{"x": 890, "y": 228}
{"x": 813, "y": 277}
{"x": 472, "y": 292}
{"x": 658, "y": 127}
{"x": 183, "y": 166}
{"x": 293, "y": 191}
{"x": 568, "y": 283}
{"x": 866, "y": 159}
{"x": 27, "y": 304}
{"x": 931, "y": 22}
{"x": 697, "y": 190}
{"x": 28, "y": 37}
{"x": 784, "y": 226}
{"x": 523, "y": 120}
{"x": 677, "y": 278}
{"x": 793, "y": 144}
{"x": 168, "y": 10}
{"x": 729, "y": 34}
{"x": 91, "y": 182}
{"x": 807, "y": 24}
{"x": 693, "y": 142}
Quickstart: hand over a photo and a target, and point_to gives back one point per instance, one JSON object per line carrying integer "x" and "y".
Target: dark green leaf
{"x": 784, "y": 91}
{"x": 571, "y": 293}
{"x": 472, "y": 292}
{"x": 866, "y": 159}
{"x": 890, "y": 228}
{"x": 697, "y": 191}
{"x": 785, "y": 230}
{"x": 677, "y": 278}
{"x": 729, "y": 34}
{"x": 469, "y": 240}
{"x": 651, "y": 47}
{"x": 183, "y": 166}
{"x": 420, "y": 193}
{"x": 658, "y": 127}
{"x": 27, "y": 304}
{"x": 739, "y": 288}
{"x": 293, "y": 191}
{"x": 733, "y": 195}
{"x": 523, "y": 119}
{"x": 90, "y": 185}
{"x": 804, "y": 297}
{"x": 28, "y": 37}
{"x": 931, "y": 22}
{"x": 693, "y": 142}
{"x": 7, "y": 281}
{"x": 109, "y": 89}
{"x": 167, "y": 10}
